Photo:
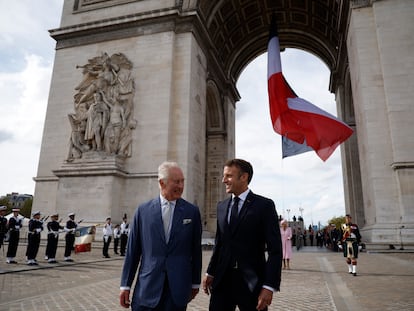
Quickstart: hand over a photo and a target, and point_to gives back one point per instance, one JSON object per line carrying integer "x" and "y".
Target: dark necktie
{"x": 234, "y": 212}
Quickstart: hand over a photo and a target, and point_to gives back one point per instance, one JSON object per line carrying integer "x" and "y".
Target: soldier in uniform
{"x": 124, "y": 235}
{"x": 53, "y": 228}
{"x": 107, "y": 237}
{"x": 33, "y": 238}
{"x": 3, "y": 224}
{"x": 350, "y": 242}
{"x": 70, "y": 229}
{"x": 117, "y": 237}
{"x": 14, "y": 225}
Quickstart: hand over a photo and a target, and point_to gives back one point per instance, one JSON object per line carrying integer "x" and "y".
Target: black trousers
{"x": 33, "y": 245}
{"x": 233, "y": 291}
{"x": 124, "y": 240}
{"x": 69, "y": 240}
{"x": 51, "y": 247}
{"x": 116, "y": 243}
{"x": 14, "y": 236}
{"x": 107, "y": 242}
{"x": 1, "y": 238}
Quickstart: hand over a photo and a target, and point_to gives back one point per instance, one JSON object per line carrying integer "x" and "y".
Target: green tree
{"x": 5, "y": 202}
{"x": 26, "y": 210}
{"x": 337, "y": 221}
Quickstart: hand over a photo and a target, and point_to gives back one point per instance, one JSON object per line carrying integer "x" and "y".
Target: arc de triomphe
{"x": 137, "y": 82}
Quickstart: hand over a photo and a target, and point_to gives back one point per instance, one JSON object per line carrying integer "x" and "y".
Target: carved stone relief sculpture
{"x": 103, "y": 118}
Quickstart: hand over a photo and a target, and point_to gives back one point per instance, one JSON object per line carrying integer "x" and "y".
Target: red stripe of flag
{"x": 296, "y": 118}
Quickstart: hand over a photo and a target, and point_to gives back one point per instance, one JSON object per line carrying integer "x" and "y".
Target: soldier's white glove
{"x": 38, "y": 230}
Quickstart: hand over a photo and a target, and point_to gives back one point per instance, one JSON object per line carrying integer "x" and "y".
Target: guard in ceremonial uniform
{"x": 117, "y": 237}
{"x": 3, "y": 224}
{"x": 14, "y": 225}
{"x": 54, "y": 229}
{"x": 107, "y": 237}
{"x": 350, "y": 243}
{"x": 70, "y": 229}
{"x": 124, "y": 235}
{"x": 33, "y": 238}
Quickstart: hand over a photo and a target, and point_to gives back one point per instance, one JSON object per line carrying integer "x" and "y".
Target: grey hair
{"x": 164, "y": 170}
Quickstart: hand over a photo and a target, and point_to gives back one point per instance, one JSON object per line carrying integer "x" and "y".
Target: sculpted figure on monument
{"x": 98, "y": 115}
{"x": 103, "y": 118}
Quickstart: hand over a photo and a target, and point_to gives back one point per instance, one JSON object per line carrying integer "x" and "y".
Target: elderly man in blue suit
{"x": 240, "y": 274}
{"x": 165, "y": 242}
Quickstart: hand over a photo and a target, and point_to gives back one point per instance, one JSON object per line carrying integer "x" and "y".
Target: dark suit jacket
{"x": 179, "y": 260}
{"x": 257, "y": 230}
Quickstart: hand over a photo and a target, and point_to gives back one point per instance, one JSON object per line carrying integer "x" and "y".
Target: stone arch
{"x": 189, "y": 55}
{"x": 239, "y": 29}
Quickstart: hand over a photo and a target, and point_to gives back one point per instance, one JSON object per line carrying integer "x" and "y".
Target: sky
{"x": 294, "y": 183}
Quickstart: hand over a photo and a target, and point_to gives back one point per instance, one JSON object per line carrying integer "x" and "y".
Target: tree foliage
{"x": 337, "y": 221}
{"x": 26, "y": 209}
{"x": 5, "y": 202}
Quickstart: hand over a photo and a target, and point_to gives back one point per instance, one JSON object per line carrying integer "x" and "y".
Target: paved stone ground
{"x": 318, "y": 280}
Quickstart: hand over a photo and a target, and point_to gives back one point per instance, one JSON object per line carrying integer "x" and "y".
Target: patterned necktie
{"x": 234, "y": 212}
{"x": 166, "y": 218}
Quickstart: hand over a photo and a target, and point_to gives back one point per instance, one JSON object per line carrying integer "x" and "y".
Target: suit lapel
{"x": 222, "y": 213}
{"x": 246, "y": 205}
{"x": 243, "y": 211}
{"x": 177, "y": 217}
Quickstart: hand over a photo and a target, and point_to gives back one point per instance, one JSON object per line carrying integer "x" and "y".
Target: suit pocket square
{"x": 187, "y": 221}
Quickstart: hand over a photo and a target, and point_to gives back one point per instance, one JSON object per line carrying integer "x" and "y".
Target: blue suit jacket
{"x": 179, "y": 260}
{"x": 257, "y": 232}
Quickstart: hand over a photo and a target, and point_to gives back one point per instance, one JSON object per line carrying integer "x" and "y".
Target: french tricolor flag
{"x": 296, "y": 119}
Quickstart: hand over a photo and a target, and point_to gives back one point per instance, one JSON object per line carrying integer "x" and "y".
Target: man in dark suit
{"x": 165, "y": 241}
{"x": 247, "y": 226}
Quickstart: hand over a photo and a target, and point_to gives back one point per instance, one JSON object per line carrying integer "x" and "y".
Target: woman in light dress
{"x": 286, "y": 233}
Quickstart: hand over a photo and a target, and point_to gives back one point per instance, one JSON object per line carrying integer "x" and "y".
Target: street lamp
{"x": 288, "y": 211}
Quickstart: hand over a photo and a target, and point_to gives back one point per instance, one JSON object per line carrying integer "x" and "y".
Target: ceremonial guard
{"x": 14, "y": 225}
{"x": 350, "y": 242}
{"x": 117, "y": 237}
{"x": 107, "y": 237}
{"x": 124, "y": 235}
{"x": 54, "y": 228}
{"x": 3, "y": 224}
{"x": 33, "y": 238}
{"x": 70, "y": 229}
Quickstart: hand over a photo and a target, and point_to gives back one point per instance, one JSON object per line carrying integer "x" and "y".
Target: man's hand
{"x": 194, "y": 292}
{"x": 265, "y": 299}
{"x": 207, "y": 282}
{"x": 124, "y": 298}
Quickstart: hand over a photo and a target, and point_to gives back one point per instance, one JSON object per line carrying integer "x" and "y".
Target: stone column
{"x": 379, "y": 43}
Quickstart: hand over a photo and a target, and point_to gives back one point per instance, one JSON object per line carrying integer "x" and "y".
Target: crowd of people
{"x": 162, "y": 245}
{"x": 346, "y": 239}
{"x": 329, "y": 237}
{"x": 11, "y": 228}
{"x": 118, "y": 233}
